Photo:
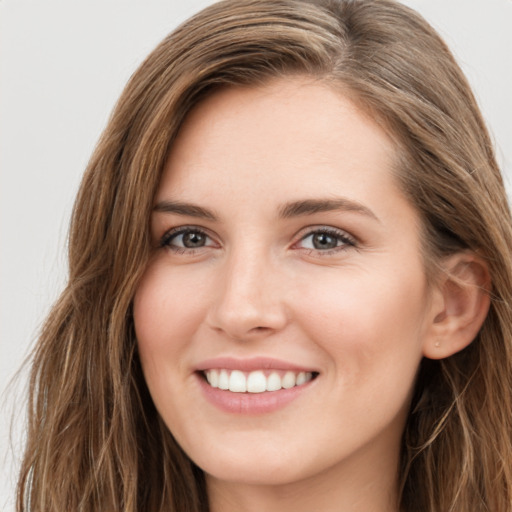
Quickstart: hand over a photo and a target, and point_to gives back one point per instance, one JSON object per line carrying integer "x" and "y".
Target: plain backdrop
{"x": 62, "y": 66}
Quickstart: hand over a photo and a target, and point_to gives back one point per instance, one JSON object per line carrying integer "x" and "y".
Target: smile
{"x": 257, "y": 381}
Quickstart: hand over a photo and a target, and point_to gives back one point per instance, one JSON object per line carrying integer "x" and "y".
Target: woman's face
{"x": 287, "y": 262}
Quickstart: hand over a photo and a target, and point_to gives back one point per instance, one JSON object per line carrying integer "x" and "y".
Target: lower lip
{"x": 251, "y": 403}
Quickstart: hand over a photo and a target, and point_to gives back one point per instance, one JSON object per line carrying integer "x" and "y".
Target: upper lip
{"x": 251, "y": 364}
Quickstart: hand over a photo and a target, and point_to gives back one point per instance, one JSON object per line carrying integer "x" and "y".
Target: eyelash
{"x": 345, "y": 240}
{"x": 172, "y": 234}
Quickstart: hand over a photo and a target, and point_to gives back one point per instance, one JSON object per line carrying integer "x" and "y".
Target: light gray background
{"x": 62, "y": 66}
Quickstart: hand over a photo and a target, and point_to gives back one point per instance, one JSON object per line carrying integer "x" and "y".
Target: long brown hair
{"x": 95, "y": 440}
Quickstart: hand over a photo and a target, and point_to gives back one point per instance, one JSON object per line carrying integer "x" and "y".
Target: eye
{"x": 326, "y": 240}
{"x": 185, "y": 239}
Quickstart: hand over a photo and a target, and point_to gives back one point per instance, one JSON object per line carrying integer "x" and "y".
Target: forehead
{"x": 293, "y": 136}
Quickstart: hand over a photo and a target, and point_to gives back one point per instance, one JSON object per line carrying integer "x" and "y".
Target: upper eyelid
{"x": 310, "y": 230}
{"x": 185, "y": 228}
{"x": 300, "y": 235}
{"x": 178, "y": 230}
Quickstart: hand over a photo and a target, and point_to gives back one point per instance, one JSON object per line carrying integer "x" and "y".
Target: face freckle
{"x": 286, "y": 247}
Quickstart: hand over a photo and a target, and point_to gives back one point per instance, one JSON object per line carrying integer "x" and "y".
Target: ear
{"x": 460, "y": 303}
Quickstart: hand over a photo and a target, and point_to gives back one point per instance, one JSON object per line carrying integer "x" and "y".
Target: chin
{"x": 262, "y": 467}
{"x": 248, "y": 474}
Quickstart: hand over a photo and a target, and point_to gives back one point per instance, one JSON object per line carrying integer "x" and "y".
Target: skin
{"x": 361, "y": 314}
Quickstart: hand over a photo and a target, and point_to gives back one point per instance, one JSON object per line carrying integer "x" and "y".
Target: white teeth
{"x": 273, "y": 382}
{"x": 223, "y": 380}
{"x": 213, "y": 379}
{"x": 301, "y": 378}
{"x": 256, "y": 381}
{"x": 289, "y": 380}
{"x": 237, "y": 382}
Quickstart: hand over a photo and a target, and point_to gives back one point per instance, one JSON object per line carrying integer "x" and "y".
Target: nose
{"x": 249, "y": 301}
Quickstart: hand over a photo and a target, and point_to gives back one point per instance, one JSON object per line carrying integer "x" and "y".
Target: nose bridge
{"x": 249, "y": 298}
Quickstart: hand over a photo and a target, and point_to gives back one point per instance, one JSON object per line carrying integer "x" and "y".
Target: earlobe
{"x": 460, "y": 305}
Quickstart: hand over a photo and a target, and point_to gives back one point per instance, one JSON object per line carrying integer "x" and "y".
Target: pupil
{"x": 193, "y": 239}
{"x": 324, "y": 241}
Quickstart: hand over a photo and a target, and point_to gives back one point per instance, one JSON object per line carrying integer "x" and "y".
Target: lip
{"x": 251, "y": 364}
{"x": 251, "y": 403}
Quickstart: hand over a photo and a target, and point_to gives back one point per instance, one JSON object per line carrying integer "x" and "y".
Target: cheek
{"x": 367, "y": 321}
{"x": 166, "y": 311}
{"x": 166, "y": 318}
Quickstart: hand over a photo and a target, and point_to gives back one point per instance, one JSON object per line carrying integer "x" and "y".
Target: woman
{"x": 289, "y": 280}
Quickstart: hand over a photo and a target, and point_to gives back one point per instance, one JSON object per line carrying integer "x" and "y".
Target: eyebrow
{"x": 190, "y": 210}
{"x": 288, "y": 210}
{"x": 311, "y": 206}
